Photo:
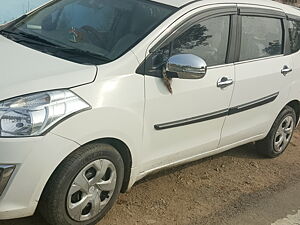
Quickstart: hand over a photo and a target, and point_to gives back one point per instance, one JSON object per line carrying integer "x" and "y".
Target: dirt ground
{"x": 209, "y": 191}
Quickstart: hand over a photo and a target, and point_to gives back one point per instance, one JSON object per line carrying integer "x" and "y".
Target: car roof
{"x": 269, "y": 3}
{"x": 175, "y": 3}
{"x": 181, "y": 3}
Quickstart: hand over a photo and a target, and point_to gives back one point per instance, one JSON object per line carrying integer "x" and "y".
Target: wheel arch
{"x": 295, "y": 104}
{"x": 120, "y": 146}
{"x": 125, "y": 153}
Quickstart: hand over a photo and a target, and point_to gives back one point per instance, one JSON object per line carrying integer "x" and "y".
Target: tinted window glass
{"x": 107, "y": 28}
{"x": 261, "y": 37}
{"x": 208, "y": 40}
{"x": 161, "y": 56}
{"x": 294, "y": 31}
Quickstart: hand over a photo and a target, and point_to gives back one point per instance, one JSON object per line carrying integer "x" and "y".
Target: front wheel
{"x": 84, "y": 187}
{"x": 280, "y": 134}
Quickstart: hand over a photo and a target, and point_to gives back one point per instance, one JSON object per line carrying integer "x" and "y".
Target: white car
{"x": 96, "y": 94}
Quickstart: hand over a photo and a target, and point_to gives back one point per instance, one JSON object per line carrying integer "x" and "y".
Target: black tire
{"x": 53, "y": 202}
{"x": 266, "y": 146}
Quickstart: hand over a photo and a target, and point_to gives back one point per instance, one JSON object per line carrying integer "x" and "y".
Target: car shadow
{"x": 247, "y": 151}
{"x": 33, "y": 220}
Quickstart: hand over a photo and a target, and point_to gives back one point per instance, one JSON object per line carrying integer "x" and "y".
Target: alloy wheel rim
{"x": 91, "y": 190}
{"x": 284, "y": 134}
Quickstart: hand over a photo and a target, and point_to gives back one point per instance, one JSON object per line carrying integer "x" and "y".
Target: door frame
{"x": 252, "y": 10}
{"x": 145, "y": 68}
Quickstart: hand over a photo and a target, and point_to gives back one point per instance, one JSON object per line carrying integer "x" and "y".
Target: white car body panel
{"x": 190, "y": 98}
{"x": 126, "y": 106}
{"x": 39, "y": 72}
{"x": 254, "y": 80}
{"x": 294, "y": 92}
{"x": 181, "y": 3}
{"x": 36, "y": 159}
{"x": 118, "y": 111}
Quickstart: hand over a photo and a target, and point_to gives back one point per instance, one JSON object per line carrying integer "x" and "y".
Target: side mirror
{"x": 186, "y": 66}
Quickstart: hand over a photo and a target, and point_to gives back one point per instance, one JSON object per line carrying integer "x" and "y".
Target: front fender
{"x": 117, "y": 112}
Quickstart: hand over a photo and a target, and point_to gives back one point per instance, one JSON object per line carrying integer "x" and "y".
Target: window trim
{"x": 258, "y": 59}
{"x": 266, "y": 13}
{"x": 293, "y": 17}
{"x": 144, "y": 68}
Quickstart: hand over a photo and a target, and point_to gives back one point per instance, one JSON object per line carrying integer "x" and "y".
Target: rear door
{"x": 262, "y": 74}
{"x": 294, "y": 31}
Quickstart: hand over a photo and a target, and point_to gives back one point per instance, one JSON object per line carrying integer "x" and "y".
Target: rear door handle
{"x": 224, "y": 82}
{"x": 285, "y": 70}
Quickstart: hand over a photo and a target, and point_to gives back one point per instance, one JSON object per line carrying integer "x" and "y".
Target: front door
{"x": 188, "y": 122}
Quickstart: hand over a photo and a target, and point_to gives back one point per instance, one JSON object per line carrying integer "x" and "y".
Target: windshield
{"x": 88, "y": 31}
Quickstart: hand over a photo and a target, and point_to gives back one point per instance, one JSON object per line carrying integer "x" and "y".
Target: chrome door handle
{"x": 285, "y": 70}
{"x": 224, "y": 82}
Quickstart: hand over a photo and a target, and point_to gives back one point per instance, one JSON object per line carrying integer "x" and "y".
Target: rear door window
{"x": 261, "y": 37}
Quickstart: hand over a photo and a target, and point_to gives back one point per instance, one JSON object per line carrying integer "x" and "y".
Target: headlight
{"x": 32, "y": 115}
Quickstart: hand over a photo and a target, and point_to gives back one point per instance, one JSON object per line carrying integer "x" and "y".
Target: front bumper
{"x": 35, "y": 159}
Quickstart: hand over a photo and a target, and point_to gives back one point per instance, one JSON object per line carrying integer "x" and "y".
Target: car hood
{"x": 24, "y": 70}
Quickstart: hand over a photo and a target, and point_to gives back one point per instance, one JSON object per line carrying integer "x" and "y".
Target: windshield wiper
{"x": 83, "y": 53}
{"x": 22, "y": 36}
{"x": 36, "y": 40}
